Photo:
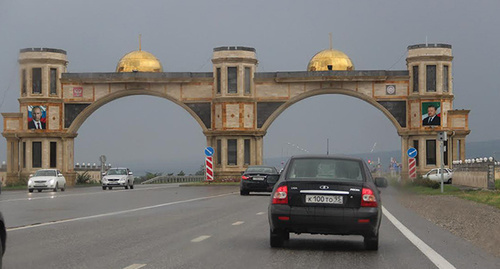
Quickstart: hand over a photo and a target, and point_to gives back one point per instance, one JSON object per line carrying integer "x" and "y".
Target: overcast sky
{"x": 286, "y": 34}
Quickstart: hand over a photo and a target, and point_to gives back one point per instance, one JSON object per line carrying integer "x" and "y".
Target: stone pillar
{"x": 13, "y": 172}
{"x": 68, "y": 161}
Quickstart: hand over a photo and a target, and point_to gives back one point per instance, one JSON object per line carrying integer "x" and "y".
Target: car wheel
{"x": 244, "y": 192}
{"x": 126, "y": 186}
{"x": 277, "y": 238}
{"x": 104, "y": 187}
{"x": 57, "y": 186}
{"x": 63, "y": 188}
{"x": 30, "y": 190}
{"x": 110, "y": 188}
{"x": 371, "y": 242}
{"x": 132, "y": 186}
{"x": 39, "y": 190}
{"x": 449, "y": 181}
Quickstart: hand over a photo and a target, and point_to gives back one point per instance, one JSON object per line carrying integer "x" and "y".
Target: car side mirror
{"x": 381, "y": 182}
{"x": 130, "y": 173}
{"x": 272, "y": 178}
{"x": 59, "y": 175}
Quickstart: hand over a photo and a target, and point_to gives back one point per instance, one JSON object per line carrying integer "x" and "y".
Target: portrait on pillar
{"x": 431, "y": 114}
{"x": 37, "y": 117}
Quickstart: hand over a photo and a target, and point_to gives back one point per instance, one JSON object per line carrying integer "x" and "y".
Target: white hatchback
{"x": 435, "y": 175}
{"x": 118, "y": 177}
{"x": 47, "y": 179}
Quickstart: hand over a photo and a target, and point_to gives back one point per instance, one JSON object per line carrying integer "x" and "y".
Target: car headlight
{"x": 122, "y": 179}
{"x": 104, "y": 179}
{"x": 51, "y": 182}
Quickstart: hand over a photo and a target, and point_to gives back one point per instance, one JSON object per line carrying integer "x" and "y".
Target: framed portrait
{"x": 37, "y": 117}
{"x": 431, "y": 113}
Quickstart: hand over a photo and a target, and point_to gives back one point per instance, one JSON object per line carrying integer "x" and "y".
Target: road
{"x": 172, "y": 226}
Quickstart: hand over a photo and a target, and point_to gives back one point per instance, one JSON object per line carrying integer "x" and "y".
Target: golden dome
{"x": 330, "y": 59}
{"x": 139, "y": 61}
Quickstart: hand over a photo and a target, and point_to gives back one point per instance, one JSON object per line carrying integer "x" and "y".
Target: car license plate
{"x": 258, "y": 178}
{"x": 324, "y": 199}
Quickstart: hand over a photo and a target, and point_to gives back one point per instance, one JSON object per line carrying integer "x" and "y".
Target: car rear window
{"x": 267, "y": 170}
{"x": 327, "y": 169}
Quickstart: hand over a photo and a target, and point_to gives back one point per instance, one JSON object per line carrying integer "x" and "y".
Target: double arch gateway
{"x": 234, "y": 105}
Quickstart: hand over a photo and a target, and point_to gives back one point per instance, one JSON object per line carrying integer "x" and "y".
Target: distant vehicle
{"x": 47, "y": 179}
{"x": 435, "y": 175}
{"x": 118, "y": 177}
{"x": 3, "y": 237}
{"x": 258, "y": 178}
{"x": 326, "y": 194}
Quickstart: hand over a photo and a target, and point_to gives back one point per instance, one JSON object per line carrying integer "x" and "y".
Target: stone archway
{"x": 89, "y": 110}
{"x": 340, "y": 91}
{"x": 234, "y": 104}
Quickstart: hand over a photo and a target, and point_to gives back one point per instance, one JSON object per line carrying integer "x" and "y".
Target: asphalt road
{"x": 171, "y": 226}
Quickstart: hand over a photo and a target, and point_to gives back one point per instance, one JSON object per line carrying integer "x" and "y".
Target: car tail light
{"x": 368, "y": 198}
{"x": 245, "y": 177}
{"x": 280, "y": 196}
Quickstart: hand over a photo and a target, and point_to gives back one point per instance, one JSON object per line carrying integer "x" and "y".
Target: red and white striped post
{"x": 209, "y": 173}
{"x": 412, "y": 168}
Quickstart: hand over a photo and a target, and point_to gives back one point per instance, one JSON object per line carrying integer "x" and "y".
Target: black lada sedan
{"x": 331, "y": 195}
{"x": 258, "y": 178}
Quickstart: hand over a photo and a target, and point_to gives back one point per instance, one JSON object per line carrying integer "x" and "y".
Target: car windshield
{"x": 117, "y": 172}
{"x": 266, "y": 170}
{"x": 329, "y": 168}
{"x": 45, "y": 173}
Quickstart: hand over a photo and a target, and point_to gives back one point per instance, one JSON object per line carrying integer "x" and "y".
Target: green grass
{"x": 488, "y": 197}
{"x": 17, "y": 187}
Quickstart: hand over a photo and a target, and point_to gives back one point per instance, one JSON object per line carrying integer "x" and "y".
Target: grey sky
{"x": 286, "y": 34}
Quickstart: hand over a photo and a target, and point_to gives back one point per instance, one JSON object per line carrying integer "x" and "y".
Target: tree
{"x": 200, "y": 171}
{"x": 181, "y": 173}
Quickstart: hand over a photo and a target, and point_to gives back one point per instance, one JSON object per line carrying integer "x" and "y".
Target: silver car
{"x": 47, "y": 179}
{"x": 118, "y": 177}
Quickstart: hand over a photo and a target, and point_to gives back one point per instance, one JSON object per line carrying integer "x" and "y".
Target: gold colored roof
{"x": 139, "y": 61}
{"x": 330, "y": 59}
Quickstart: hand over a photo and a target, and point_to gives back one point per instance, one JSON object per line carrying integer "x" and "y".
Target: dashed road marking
{"x": 261, "y": 213}
{"x": 433, "y": 256}
{"x": 238, "y": 223}
{"x": 115, "y": 213}
{"x": 200, "y": 238}
{"x": 135, "y": 266}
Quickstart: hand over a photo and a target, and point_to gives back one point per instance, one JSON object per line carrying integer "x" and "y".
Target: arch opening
{"x": 141, "y": 132}
{"x": 333, "y": 122}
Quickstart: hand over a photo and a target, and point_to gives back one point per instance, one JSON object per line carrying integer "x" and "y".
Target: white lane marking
{"x": 435, "y": 258}
{"x": 135, "y": 266}
{"x": 238, "y": 223}
{"x": 200, "y": 238}
{"x": 82, "y": 194}
{"x": 114, "y": 213}
{"x": 261, "y": 213}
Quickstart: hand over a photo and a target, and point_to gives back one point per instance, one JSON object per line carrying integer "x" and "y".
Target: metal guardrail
{"x": 174, "y": 179}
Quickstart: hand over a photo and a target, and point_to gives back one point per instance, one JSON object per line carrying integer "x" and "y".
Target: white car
{"x": 435, "y": 175}
{"x": 118, "y": 177}
{"x": 47, "y": 179}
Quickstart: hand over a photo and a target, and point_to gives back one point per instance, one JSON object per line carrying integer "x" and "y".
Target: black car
{"x": 326, "y": 195}
{"x": 3, "y": 237}
{"x": 258, "y": 178}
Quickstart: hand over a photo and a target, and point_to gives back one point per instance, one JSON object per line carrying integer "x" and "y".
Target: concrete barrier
{"x": 477, "y": 175}
{"x": 174, "y": 179}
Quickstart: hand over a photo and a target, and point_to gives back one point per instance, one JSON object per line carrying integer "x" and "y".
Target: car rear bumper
{"x": 255, "y": 186}
{"x": 324, "y": 220}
